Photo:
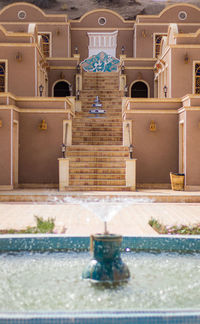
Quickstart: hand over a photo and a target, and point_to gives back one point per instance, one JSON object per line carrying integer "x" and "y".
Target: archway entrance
{"x": 139, "y": 90}
{"x": 61, "y": 89}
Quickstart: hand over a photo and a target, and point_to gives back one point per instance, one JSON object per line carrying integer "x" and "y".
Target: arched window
{"x": 2, "y": 77}
{"x": 139, "y": 90}
{"x": 158, "y": 39}
{"x": 61, "y": 89}
{"x": 197, "y": 78}
{"x": 45, "y": 44}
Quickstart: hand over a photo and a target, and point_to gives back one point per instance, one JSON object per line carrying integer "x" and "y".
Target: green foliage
{"x": 175, "y": 229}
{"x": 42, "y": 226}
{"x": 45, "y": 226}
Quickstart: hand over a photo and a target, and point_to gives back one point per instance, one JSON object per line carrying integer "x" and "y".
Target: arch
{"x": 176, "y": 5}
{"x": 139, "y": 89}
{"x": 33, "y": 7}
{"x": 101, "y": 10}
{"x": 61, "y": 88}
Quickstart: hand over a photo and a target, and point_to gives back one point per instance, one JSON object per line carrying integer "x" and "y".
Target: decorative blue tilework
{"x": 101, "y": 62}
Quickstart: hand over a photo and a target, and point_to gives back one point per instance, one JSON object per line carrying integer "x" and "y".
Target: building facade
{"x": 146, "y": 74}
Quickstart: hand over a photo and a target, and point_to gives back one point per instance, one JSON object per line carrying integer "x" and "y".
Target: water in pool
{"x": 52, "y": 282}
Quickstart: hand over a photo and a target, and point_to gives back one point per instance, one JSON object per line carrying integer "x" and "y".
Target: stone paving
{"x": 74, "y": 218}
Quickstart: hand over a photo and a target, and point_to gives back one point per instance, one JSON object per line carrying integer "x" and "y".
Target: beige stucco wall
{"x": 39, "y": 150}
{"x": 182, "y": 75}
{"x": 21, "y": 75}
{"x": 156, "y": 152}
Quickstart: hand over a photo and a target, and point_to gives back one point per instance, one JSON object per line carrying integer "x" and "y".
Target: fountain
{"x": 165, "y": 285}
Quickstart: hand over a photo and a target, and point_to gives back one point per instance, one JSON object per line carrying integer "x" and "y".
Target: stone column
{"x": 63, "y": 173}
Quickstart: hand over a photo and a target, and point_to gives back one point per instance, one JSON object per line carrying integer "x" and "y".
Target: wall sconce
{"x": 1, "y": 124}
{"x": 58, "y": 32}
{"x": 78, "y": 68}
{"x": 152, "y": 126}
{"x": 43, "y": 125}
{"x": 76, "y": 50}
{"x": 63, "y": 148}
{"x": 70, "y": 90}
{"x": 122, "y": 68}
{"x": 77, "y": 95}
{"x": 126, "y": 91}
{"x": 186, "y": 58}
{"x": 41, "y": 88}
{"x": 62, "y": 76}
{"x": 123, "y": 50}
{"x": 18, "y": 57}
{"x": 131, "y": 151}
{"x": 144, "y": 33}
{"x": 165, "y": 91}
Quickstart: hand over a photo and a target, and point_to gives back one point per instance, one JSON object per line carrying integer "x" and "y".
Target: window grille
{"x": 197, "y": 78}
{"x": 158, "y": 39}
{"x": 46, "y": 44}
{"x": 2, "y": 77}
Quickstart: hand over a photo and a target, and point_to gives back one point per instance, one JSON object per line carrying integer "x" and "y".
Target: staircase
{"x": 97, "y": 156}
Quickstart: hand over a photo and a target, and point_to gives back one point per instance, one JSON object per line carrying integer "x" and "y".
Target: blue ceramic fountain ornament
{"x": 101, "y": 62}
{"x": 106, "y": 266}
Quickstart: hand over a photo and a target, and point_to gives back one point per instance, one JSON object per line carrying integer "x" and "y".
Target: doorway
{"x": 61, "y": 89}
{"x": 139, "y": 90}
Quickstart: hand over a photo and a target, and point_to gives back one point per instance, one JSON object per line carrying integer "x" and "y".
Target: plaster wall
{"x": 5, "y": 148}
{"x": 145, "y": 45}
{"x": 59, "y": 42}
{"x": 20, "y": 74}
{"x": 192, "y": 148}
{"x": 39, "y": 150}
{"x": 156, "y": 152}
{"x": 181, "y": 73}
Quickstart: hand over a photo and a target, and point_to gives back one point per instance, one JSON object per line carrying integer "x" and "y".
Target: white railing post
{"x": 63, "y": 173}
{"x": 131, "y": 174}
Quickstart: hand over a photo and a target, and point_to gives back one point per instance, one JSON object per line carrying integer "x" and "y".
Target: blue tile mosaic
{"x": 101, "y": 62}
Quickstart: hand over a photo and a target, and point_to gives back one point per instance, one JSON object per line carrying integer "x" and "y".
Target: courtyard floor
{"x": 75, "y": 216}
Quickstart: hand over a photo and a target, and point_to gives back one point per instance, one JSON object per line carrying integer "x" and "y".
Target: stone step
{"x": 110, "y": 159}
{"x": 88, "y": 176}
{"x": 92, "y": 182}
{"x": 88, "y": 122}
{"x": 95, "y": 128}
{"x": 105, "y": 154}
{"x": 98, "y": 138}
{"x": 96, "y": 165}
{"x": 77, "y": 142}
{"x": 104, "y": 148}
{"x": 97, "y": 171}
{"x": 108, "y": 120}
{"x": 99, "y": 133}
{"x": 107, "y": 115}
{"x": 97, "y": 188}
{"x": 108, "y": 110}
